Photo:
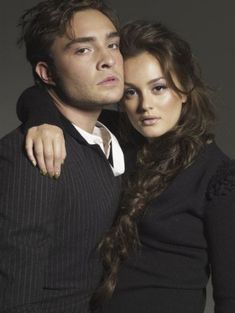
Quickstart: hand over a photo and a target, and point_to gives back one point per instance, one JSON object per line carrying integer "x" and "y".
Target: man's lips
{"x": 109, "y": 80}
{"x": 149, "y": 120}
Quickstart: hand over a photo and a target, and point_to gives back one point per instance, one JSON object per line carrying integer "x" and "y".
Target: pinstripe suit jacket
{"x": 49, "y": 229}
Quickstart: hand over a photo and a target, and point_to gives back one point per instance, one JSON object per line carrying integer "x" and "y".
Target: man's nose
{"x": 106, "y": 59}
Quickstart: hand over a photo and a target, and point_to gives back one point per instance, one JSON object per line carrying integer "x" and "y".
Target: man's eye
{"x": 114, "y": 45}
{"x": 82, "y": 50}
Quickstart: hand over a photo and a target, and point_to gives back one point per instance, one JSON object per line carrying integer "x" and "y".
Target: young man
{"x": 50, "y": 229}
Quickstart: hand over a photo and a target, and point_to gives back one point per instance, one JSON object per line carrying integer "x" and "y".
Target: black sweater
{"x": 188, "y": 231}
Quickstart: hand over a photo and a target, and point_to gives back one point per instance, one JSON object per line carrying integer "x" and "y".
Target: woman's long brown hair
{"x": 159, "y": 161}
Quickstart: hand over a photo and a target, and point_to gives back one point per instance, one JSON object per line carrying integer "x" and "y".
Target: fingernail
{"x": 43, "y": 173}
{"x": 33, "y": 162}
{"x": 57, "y": 175}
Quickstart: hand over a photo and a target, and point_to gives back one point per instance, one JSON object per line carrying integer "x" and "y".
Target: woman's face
{"x": 152, "y": 108}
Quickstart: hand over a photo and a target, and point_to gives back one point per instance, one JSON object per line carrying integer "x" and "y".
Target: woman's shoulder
{"x": 222, "y": 182}
{"x": 210, "y": 158}
{"x": 213, "y": 170}
{"x": 207, "y": 162}
{"x": 213, "y": 153}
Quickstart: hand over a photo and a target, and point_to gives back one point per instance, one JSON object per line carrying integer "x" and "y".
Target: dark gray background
{"x": 207, "y": 25}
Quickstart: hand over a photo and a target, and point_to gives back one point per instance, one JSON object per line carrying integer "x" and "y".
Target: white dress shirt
{"x": 108, "y": 143}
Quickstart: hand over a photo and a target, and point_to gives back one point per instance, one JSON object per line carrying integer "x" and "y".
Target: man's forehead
{"x": 90, "y": 23}
{"x": 87, "y": 25}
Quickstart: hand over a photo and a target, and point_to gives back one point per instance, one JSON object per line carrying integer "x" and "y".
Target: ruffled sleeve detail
{"x": 223, "y": 182}
{"x": 220, "y": 234}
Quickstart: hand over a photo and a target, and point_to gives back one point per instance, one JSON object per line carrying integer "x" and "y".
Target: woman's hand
{"x": 45, "y": 147}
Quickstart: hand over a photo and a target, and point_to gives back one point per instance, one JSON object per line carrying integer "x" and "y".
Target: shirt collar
{"x": 103, "y": 137}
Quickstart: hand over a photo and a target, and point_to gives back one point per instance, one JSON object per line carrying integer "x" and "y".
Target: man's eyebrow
{"x": 78, "y": 40}
{"x": 89, "y": 39}
{"x": 113, "y": 35}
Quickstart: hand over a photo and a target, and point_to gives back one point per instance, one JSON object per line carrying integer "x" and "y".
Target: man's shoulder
{"x": 12, "y": 144}
{"x": 14, "y": 163}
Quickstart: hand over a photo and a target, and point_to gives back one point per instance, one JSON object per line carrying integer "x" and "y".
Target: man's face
{"x": 88, "y": 66}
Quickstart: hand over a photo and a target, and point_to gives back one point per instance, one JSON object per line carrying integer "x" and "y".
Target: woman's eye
{"x": 130, "y": 92}
{"x": 159, "y": 88}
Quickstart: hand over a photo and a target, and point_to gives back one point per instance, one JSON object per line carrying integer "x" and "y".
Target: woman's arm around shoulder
{"x": 44, "y": 142}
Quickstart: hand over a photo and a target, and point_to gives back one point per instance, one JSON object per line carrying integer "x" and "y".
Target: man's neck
{"x": 86, "y": 120}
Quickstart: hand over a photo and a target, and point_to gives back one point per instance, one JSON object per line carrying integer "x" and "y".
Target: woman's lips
{"x": 149, "y": 121}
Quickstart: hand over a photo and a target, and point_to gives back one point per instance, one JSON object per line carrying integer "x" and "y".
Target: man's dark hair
{"x": 48, "y": 19}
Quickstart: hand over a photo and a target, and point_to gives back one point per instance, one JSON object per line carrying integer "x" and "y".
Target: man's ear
{"x": 184, "y": 98}
{"x": 43, "y": 71}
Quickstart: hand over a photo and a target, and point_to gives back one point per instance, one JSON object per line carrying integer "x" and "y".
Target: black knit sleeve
{"x": 35, "y": 107}
{"x": 220, "y": 229}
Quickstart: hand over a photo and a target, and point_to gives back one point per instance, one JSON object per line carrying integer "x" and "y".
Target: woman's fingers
{"x": 39, "y": 155}
{"x": 63, "y": 150}
{"x": 48, "y": 155}
{"x": 58, "y": 155}
{"x": 45, "y": 146}
{"x": 29, "y": 149}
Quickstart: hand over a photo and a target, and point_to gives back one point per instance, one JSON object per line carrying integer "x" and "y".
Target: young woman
{"x": 177, "y": 212}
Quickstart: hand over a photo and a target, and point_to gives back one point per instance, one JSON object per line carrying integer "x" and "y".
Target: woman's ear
{"x": 43, "y": 71}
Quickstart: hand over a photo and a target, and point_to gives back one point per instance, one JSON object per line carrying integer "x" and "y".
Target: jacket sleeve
{"x": 27, "y": 203}
{"x": 220, "y": 228}
{"x": 35, "y": 107}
